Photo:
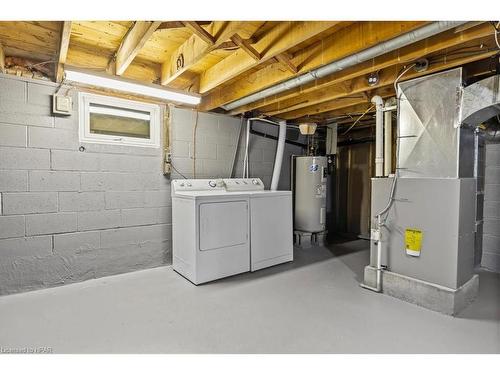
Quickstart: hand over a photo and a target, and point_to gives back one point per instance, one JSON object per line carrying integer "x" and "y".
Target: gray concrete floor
{"x": 313, "y": 305}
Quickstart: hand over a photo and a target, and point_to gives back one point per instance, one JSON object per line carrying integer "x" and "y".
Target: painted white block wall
{"x": 262, "y": 152}
{"x": 216, "y": 143}
{"x": 67, "y": 215}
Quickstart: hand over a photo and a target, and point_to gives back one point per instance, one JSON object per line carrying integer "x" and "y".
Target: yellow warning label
{"x": 413, "y": 241}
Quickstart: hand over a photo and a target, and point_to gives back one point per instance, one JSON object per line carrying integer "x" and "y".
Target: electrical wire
{"x": 497, "y": 31}
{"x": 357, "y": 120}
{"x": 386, "y": 209}
{"x": 496, "y": 38}
{"x": 401, "y": 75}
{"x": 42, "y": 63}
{"x": 175, "y": 169}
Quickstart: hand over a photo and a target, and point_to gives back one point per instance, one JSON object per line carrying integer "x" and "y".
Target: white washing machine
{"x": 271, "y": 225}
{"x": 225, "y": 227}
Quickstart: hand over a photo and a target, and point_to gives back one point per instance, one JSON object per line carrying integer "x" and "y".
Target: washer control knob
{"x": 189, "y": 184}
{"x": 255, "y": 182}
{"x": 182, "y": 184}
{"x": 212, "y": 183}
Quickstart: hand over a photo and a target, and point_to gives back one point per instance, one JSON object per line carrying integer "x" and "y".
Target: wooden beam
{"x": 179, "y": 24}
{"x": 355, "y": 110}
{"x": 407, "y": 54}
{"x": 279, "y": 39}
{"x": 360, "y": 84}
{"x": 81, "y": 56}
{"x": 356, "y": 87}
{"x": 285, "y": 59}
{"x": 386, "y": 83}
{"x": 343, "y": 101}
{"x": 338, "y": 104}
{"x": 245, "y": 46}
{"x": 132, "y": 43}
{"x": 63, "y": 50}
{"x": 467, "y": 26}
{"x": 2, "y": 59}
{"x": 199, "y": 31}
{"x": 194, "y": 51}
{"x": 346, "y": 41}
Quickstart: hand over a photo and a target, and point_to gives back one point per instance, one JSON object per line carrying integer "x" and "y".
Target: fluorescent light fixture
{"x": 128, "y": 86}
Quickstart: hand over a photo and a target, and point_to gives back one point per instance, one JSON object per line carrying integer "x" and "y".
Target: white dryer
{"x": 210, "y": 230}
{"x": 225, "y": 227}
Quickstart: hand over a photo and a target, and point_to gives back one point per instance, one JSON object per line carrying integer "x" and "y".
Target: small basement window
{"x": 109, "y": 120}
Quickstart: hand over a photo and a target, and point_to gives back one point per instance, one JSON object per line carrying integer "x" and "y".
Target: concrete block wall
{"x": 491, "y": 224}
{"x": 219, "y": 139}
{"x": 67, "y": 215}
{"x": 262, "y": 152}
{"x": 216, "y": 143}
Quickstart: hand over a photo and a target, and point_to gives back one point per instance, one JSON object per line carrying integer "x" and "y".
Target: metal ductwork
{"x": 481, "y": 101}
{"x": 346, "y": 62}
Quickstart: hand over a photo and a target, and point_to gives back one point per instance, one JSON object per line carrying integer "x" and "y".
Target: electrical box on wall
{"x": 62, "y": 104}
{"x": 167, "y": 162}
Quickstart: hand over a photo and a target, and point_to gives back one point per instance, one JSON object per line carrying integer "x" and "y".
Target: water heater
{"x": 310, "y": 193}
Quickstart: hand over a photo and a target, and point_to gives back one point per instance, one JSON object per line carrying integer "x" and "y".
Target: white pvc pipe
{"x": 390, "y": 105}
{"x": 379, "y": 136}
{"x": 247, "y": 141}
{"x": 387, "y": 143}
{"x": 246, "y": 159}
{"x": 280, "y": 150}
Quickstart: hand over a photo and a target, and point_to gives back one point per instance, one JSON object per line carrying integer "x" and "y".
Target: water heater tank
{"x": 310, "y": 193}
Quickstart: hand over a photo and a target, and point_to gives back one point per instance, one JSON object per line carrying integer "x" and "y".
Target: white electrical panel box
{"x": 62, "y": 104}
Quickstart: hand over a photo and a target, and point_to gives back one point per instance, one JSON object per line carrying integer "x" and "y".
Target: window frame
{"x": 85, "y": 100}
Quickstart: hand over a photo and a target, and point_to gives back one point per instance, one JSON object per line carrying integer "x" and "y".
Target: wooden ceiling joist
{"x": 410, "y": 53}
{"x": 199, "y": 31}
{"x": 134, "y": 40}
{"x": 194, "y": 50}
{"x": 343, "y": 42}
{"x": 342, "y": 105}
{"x": 386, "y": 83}
{"x": 279, "y": 39}
{"x": 355, "y": 86}
{"x": 228, "y": 60}
{"x": 286, "y": 60}
{"x": 179, "y": 24}
{"x": 343, "y": 101}
{"x": 352, "y": 111}
{"x": 245, "y": 46}
{"x": 63, "y": 50}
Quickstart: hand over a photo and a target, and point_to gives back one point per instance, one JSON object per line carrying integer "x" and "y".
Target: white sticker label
{"x": 313, "y": 168}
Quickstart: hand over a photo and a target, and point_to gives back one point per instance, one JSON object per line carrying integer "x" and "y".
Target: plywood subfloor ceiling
{"x": 227, "y": 60}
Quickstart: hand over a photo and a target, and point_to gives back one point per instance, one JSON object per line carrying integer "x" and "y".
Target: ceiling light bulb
{"x": 373, "y": 79}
